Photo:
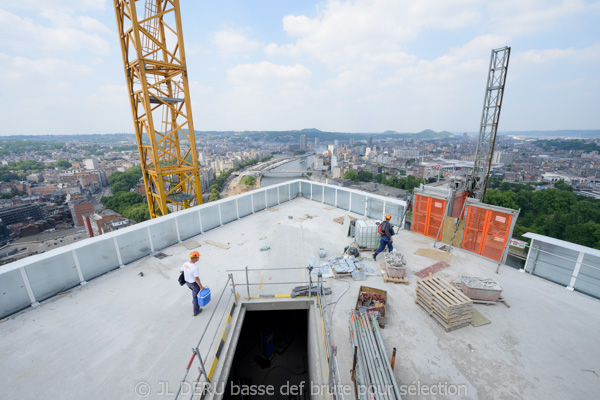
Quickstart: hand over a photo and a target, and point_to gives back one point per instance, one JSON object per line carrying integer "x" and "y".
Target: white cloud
{"x": 23, "y": 34}
{"x": 532, "y": 16}
{"x": 67, "y": 20}
{"x": 543, "y": 56}
{"x": 66, "y": 5}
{"x": 231, "y": 43}
{"x": 258, "y": 90}
{"x": 588, "y": 55}
{"x": 24, "y": 71}
{"x": 266, "y": 72}
{"x": 347, "y": 31}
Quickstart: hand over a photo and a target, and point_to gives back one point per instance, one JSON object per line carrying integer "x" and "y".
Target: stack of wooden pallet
{"x": 447, "y": 305}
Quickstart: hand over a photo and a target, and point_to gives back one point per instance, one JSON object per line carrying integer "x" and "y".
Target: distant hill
{"x": 80, "y": 138}
{"x": 310, "y": 130}
{"x": 560, "y": 133}
{"x": 564, "y": 133}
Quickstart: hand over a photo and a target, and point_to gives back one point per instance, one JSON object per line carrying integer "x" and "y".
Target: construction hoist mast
{"x": 476, "y": 183}
{"x": 153, "y": 55}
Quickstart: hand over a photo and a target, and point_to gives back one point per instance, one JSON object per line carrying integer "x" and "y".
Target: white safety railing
{"x": 29, "y": 281}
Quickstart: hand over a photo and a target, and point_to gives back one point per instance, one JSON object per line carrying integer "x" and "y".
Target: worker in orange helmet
{"x": 192, "y": 279}
{"x": 386, "y": 231}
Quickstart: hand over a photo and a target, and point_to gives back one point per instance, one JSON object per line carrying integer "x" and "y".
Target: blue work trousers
{"x": 385, "y": 241}
{"x": 195, "y": 288}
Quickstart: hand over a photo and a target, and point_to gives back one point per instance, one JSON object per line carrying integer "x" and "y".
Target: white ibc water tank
{"x": 366, "y": 234}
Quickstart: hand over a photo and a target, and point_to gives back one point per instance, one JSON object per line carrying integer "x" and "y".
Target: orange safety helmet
{"x": 388, "y": 216}
{"x": 194, "y": 254}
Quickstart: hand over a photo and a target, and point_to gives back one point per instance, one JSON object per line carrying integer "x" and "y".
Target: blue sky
{"x": 353, "y": 66}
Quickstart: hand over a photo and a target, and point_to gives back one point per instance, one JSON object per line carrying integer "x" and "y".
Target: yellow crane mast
{"x": 156, "y": 74}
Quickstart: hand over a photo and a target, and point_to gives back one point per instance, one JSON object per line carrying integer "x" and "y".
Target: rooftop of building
{"x": 134, "y": 324}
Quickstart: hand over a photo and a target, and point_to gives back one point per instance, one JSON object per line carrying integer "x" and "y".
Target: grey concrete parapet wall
{"x": 29, "y": 281}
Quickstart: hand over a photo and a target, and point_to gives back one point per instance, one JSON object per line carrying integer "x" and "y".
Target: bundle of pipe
{"x": 372, "y": 372}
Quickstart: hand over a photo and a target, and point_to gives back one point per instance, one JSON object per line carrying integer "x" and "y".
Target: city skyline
{"x": 359, "y": 66}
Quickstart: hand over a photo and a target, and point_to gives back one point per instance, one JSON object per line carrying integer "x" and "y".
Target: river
{"x": 297, "y": 165}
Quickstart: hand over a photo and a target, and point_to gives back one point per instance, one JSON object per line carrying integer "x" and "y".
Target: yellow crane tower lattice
{"x": 156, "y": 74}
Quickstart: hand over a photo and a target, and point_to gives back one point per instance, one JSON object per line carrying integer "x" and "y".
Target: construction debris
{"x": 479, "y": 288}
{"x": 305, "y": 291}
{"x": 265, "y": 248}
{"x": 223, "y": 246}
{"x": 353, "y": 251}
{"x": 339, "y": 220}
{"x": 395, "y": 260}
{"x": 358, "y": 275}
{"x": 387, "y": 278}
{"x": 372, "y": 300}
{"x": 395, "y": 265}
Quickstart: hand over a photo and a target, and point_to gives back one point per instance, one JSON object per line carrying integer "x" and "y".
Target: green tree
{"x": 123, "y": 181}
{"x": 379, "y": 178}
{"x": 63, "y": 164}
{"x": 561, "y": 185}
{"x": 394, "y": 181}
{"x": 8, "y": 177}
{"x": 505, "y": 186}
{"x": 249, "y": 180}
{"x": 555, "y": 226}
{"x": 502, "y": 199}
{"x": 584, "y": 211}
{"x": 412, "y": 182}
{"x": 137, "y": 212}
{"x": 494, "y": 182}
{"x": 120, "y": 201}
{"x": 365, "y": 176}
{"x": 587, "y": 234}
{"x": 549, "y": 201}
{"x": 351, "y": 174}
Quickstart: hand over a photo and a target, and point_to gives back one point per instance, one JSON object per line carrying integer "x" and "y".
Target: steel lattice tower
{"x": 492, "y": 103}
{"x": 156, "y": 74}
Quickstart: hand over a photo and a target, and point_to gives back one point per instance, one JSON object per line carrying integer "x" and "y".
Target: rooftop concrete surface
{"x": 103, "y": 339}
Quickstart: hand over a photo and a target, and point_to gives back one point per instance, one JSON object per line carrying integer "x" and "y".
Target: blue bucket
{"x": 204, "y": 297}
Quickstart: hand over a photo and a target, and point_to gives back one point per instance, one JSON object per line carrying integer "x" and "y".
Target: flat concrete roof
{"x": 101, "y": 340}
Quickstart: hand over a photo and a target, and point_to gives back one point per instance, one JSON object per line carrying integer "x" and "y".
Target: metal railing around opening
{"x": 334, "y": 382}
{"x": 315, "y": 291}
{"x": 201, "y": 384}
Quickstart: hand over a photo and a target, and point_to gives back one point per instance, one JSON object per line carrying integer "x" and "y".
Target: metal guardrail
{"x": 199, "y": 385}
{"x": 205, "y": 375}
{"x": 334, "y": 381}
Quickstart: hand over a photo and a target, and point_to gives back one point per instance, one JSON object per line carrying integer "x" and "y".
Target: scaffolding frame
{"x": 157, "y": 82}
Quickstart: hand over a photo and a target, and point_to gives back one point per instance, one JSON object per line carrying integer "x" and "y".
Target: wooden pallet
{"x": 487, "y": 302}
{"x": 447, "y": 305}
{"x": 447, "y": 327}
{"x": 386, "y": 278}
{"x": 445, "y": 295}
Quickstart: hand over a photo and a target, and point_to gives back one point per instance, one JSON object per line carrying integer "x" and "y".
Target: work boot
{"x": 374, "y": 256}
{"x": 198, "y": 312}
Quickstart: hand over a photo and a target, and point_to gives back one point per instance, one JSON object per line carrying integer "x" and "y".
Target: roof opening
{"x": 271, "y": 355}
